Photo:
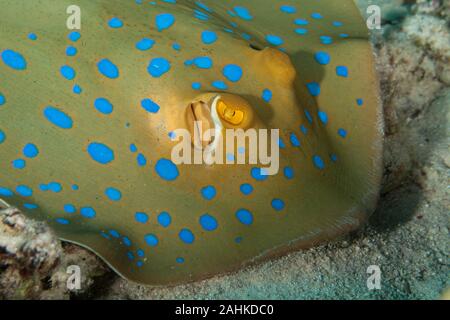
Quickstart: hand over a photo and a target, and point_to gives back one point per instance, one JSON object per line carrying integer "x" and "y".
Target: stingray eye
{"x": 198, "y": 120}
{"x": 230, "y": 113}
{"x": 233, "y": 111}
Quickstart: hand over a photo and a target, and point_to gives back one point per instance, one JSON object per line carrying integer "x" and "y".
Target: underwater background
{"x": 407, "y": 236}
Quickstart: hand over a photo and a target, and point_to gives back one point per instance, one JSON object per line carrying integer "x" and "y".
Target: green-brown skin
{"x": 320, "y": 204}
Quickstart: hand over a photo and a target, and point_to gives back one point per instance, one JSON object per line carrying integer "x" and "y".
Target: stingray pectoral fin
{"x": 88, "y": 123}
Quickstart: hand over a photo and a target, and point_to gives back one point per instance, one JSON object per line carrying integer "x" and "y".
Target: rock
{"x": 29, "y": 253}
{"x": 33, "y": 262}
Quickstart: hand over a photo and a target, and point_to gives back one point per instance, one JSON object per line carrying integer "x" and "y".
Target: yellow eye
{"x": 232, "y": 115}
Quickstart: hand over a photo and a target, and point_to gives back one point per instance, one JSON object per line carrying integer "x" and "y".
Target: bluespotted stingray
{"x": 87, "y": 119}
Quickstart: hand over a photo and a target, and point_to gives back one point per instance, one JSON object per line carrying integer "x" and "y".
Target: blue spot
{"x": 115, "y": 23}
{"x": 141, "y": 160}
{"x": 244, "y": 216}
{"x": 326, "y": 40}
{"x": 30, "y": 206}
{"x": 176, "y": 46}
{"x": 145, "y": 44}
{"x": 200, "y": 15}
{"x": 88, "y": 212}
{"x": 54, "y": 187}
{"x": 32, "y": 36}
{"x": 158, "y": 66}
{"x": 267, "y": 95}
{"x": 166, "y": 169}
{"x": 14, "y": 60}
{"x": 58, "y": 118}
{"x": 103, "y": 106}
{"x": 30, "y": 150}
{"x": 294, "y": 140}
{"x": 203, "y": 6}
{"x": 100, "y": 153}
{"x": 303, "y": 129}
{"x": 130, "y": 255}
{"x": 318, "y": 162}
{"x": 77, "y": 89}
{"x": 164, "y": 21}
{"x": 2, "y": 99}
{"x": 259, "y": 174}
{"x": 323, "y": 117}
{"x": 316, "y": 16}
{"x": 243, "y": 13}
{"x": 246, "y": 36}
{"x": 24, "y": 191}
{"x": 209, "y": 37}
{"x": 278, "y": 204}
{"x": 62, "y": 221}
{"x": 114, "y": 233}
{"x": 196, "y": 85}
{"x": 71, "y": 51}
{"x": 108, "y": 69}
{"x": 289, "y": 173}
{"x": 150, "y": 106}
{"x": 281, "y": 144}
{"x": 141, "y": 217}
{"x": 179, "y": 260}
{"x": 151, "y": 240}
{"x": 342, "y": 133}
{"x": 246, "y": 189}
{"x": 322, "y": 58}
{"x": 19, "y": 164}
{"x": 334, "y": 157}
{"x": 140, "y": 253}
{"x": 5, "y": 192}
{"x": 203, "y": 62}
{"x": 126, "y": 242}
{"x": 75, "y": 187}
{"x": 105, "y": 235}
{"x": 313, "y": 88}
{"x": 301, "y": 31}
{"x": 74, "y": 36}
{"x": 274, "y": 40}
{"x": 69, "y": 208}
{"x": 208, "y": 222}
{"x": 337, "y": 24}
{"x": 220, "y": 85}
{"x": 164, "y": 219}
{"x": 186, "y": 236}
{"x": 301, "y": 22}
{"x": 360, "y": 102}
{"x": 133, "y": 148}
{"x": 113, "y": 194}
{"x": 232, "y": 72}
{"x": 209, "y": 192}
{"x": 68, "y": 72}
{"x": 308, "y": 116}
{"x": 342, "y": 71}
{"x": 288, "y": 9}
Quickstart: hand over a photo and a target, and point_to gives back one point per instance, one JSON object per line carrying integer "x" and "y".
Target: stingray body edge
{"x": 88, "y": 121}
